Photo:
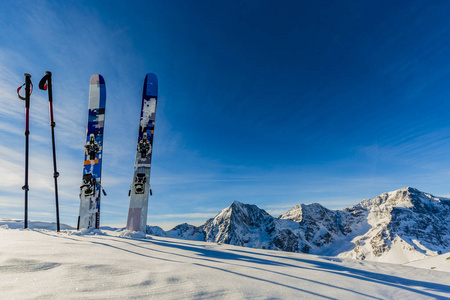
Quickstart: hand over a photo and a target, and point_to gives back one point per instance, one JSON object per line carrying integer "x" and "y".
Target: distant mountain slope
{"x": 18, "y": 224}
{"x": 398, "y": 227}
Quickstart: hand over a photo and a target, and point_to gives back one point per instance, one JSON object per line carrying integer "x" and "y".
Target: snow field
{"x": 39, "y": 263}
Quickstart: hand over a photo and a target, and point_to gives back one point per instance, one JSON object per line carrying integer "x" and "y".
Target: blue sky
{"x": 265, "y": 102}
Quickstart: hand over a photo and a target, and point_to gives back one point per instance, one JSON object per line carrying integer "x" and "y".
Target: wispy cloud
{"x": 184, "y": 216}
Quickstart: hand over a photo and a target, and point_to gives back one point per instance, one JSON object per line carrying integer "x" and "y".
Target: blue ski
{"x": 89, "y": 216}
{"x": 140, "y": 187}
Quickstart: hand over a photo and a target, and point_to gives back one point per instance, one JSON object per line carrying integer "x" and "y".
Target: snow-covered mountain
{"x": 241, "y": 225}
{"x": 405, "y": 225}
{"x": 324, "y": 231}
{"x": 399, "y": 227}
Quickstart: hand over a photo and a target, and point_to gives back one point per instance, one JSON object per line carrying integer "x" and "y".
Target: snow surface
{"x": 439, "y": 263}
{"x": 41, "y": 263}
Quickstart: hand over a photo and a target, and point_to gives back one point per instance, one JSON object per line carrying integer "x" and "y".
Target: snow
{"x": 439, "y": 263}
{"x": 397, "y": 253}
{"x": 108, "y": 263}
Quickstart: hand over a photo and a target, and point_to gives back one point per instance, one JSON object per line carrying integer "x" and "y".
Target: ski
{"x": 89, "y": 215}
{"x": 140, "y": 187}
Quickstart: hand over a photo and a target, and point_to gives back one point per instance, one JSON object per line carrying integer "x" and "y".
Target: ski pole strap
{"x": 20, "y": 87}
{"x": 43, "y": 83}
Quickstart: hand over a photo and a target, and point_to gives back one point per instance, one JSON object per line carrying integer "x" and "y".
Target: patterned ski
{"x": 140, "y": 187}
{"x": 89, "y": 216}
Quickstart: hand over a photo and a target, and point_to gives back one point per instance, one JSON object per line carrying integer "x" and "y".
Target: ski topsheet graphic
{"x": 89, "y": 216}
{"x": 140, "y": 187}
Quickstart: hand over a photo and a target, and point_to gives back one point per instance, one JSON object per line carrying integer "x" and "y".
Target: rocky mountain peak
{"x": 240, "y": 224}
{"x": 383, "y": 205}
{"x": 385, "y": 201}
{"x": 240, "y": 213}
{"x": 302, "y": 212}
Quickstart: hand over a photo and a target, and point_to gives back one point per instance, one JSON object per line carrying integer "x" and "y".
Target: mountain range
{"x": 397, "y": 227}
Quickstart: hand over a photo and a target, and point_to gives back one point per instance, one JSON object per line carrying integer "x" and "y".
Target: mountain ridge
{"x": 398, "y": 226}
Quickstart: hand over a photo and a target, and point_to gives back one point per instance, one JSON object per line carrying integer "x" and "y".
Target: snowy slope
{"x": 39, "y": 263}
{"x": 439, "y": 263}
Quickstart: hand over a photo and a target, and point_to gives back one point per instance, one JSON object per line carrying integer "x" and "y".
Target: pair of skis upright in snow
{"x": 89, "y": 215}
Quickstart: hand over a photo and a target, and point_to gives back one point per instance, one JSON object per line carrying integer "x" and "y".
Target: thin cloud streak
{"x": 184, "y": 216}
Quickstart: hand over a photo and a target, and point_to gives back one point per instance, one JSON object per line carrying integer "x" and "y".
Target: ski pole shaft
{"x": 52, "y": 125}
{"x": 55, "y": 176}
{"x": 46, "y": 84}
{"x": 27, "y": 133}
{"x": 25, "y": 187}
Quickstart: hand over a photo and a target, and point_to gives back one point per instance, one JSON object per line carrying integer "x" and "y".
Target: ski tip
{"x": 97, "y": 79}
{"x": 151, "y": 85}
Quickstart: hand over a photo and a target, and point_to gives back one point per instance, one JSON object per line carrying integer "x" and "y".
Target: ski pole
{"x": 44, "y": 84}
{"x": 28, "y": 89}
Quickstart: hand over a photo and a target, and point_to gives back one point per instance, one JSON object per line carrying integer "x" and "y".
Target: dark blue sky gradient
{"x": 273, "y": 103}
{"x": 295, "y": 84}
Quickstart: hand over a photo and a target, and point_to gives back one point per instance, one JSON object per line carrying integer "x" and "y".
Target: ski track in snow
{"x": 41, "y": 263}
